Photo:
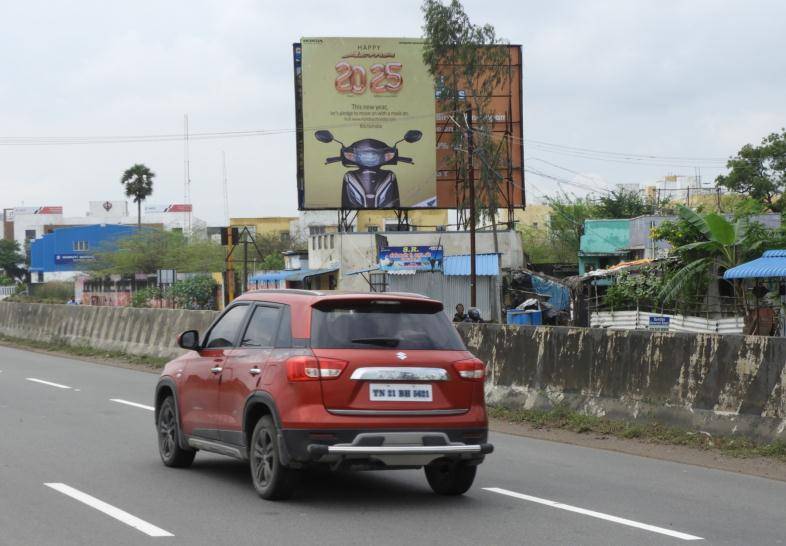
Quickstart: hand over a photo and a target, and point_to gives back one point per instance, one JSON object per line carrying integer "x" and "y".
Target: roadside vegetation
{"x": 85, "y": 351}
{"x": 562, "y": 417}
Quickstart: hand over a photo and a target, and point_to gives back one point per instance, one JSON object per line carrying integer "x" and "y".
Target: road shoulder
{"x": 754, "y": 466}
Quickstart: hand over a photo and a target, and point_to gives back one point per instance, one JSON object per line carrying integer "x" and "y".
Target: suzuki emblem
{"x": 401, "y": 356}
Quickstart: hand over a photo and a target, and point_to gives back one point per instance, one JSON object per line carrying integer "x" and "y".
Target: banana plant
{"x": 725, "y": 245}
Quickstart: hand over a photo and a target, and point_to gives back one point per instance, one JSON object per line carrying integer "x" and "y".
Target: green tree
{"x": 622, "y": 204}
{"x": 138, "y": 182}
{"x": 759, "y": 171}
{"x": 468, "y": 62}
{"x": 11, "y": 259}
{"x": 566, "y": 221}
{"x": 152, "y": 249}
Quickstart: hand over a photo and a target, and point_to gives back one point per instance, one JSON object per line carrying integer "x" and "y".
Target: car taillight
{"x": 309, "y": 368}
{"x": 472, "y": 369}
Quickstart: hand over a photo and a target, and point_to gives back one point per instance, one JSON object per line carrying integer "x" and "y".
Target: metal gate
{"x": 451, "y": 290}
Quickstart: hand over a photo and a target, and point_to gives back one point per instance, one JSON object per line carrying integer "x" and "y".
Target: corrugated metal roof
{"x": 485, "y": 264}
{"x": 366, "y": 270}
{"x": 303, "y": 273}
{"x": 771, "y": 264}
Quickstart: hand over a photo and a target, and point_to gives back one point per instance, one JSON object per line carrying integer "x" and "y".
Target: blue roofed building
{"x": 65, "y": 252}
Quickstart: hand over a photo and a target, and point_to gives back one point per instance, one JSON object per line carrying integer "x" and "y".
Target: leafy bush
{"x": 53, "y": 292}
{"x": 194, "y": 293}
{"x": 631, "y": 290}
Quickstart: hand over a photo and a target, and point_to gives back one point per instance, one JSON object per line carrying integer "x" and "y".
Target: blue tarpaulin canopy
{"x": 771, "y": 264}
{"x": 270, "y": 276}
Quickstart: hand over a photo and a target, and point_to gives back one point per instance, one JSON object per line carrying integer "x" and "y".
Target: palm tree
{"x": 725, "y": 245}
{"x": 138, "y": 181}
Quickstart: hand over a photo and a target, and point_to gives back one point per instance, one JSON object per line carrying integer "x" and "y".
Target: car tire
{"x": 450, "y": 477}
{"x": 271, "y": 479}
{"x": 168, "y": 433}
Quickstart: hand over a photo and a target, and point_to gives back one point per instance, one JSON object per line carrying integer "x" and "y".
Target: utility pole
{"x": 471, "y": 173}
{"x": 230, "y": 281}
{"x": 245, "y": 260}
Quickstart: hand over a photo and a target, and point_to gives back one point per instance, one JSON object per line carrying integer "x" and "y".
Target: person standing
{"x": 460, "y": 316}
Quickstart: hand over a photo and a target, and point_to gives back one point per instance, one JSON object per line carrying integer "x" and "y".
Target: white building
{"x": 351, "y": 252}
{"x": 34, "y": 222}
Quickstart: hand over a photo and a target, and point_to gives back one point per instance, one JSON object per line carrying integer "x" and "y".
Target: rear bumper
{"x": 387, "y": 448}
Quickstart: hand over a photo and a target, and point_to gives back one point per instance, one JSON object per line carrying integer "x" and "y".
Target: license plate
{"x": 399, "y": 392}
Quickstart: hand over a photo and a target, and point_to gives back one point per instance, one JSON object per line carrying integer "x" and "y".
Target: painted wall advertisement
{"x": 368, "y": 112}
{"x": 412, "y": 258}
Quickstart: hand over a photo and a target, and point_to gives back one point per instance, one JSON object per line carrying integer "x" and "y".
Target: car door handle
{"x": 255, "y": 371}
{"x": 216, "y": 369}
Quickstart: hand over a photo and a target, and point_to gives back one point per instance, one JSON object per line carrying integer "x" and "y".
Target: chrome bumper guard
{"x": 392, "y": 447}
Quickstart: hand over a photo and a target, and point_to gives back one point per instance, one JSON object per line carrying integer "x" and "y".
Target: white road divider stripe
{"x": 111, "y": 511}
{"x": 592, "y": 513}
{"x": 58, "y": 385}
{"x": 134, "y": 404}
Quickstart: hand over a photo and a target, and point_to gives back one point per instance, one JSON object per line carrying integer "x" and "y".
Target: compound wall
{"x": 150, "y": 332}
{"x": 717, "y": 383}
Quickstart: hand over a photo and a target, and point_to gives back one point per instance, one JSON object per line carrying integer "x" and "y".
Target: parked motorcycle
{"x": 369, "y": 186}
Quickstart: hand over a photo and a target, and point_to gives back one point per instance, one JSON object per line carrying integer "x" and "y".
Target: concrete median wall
{"x": 151, "y": 332}
{"x": 717, "y": 383}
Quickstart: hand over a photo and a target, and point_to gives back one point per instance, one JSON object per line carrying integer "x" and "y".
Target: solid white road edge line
{"x": 58, "y": 385}
{"x": 120, "y": 515}
{"x": 134, "y": 404}
{"x": 592, "y": 513}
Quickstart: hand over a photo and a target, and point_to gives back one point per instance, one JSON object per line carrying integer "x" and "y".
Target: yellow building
{"x": 381, "y": 220}
{"x": 536, "y": 215}
{"x": 268, "y": 225}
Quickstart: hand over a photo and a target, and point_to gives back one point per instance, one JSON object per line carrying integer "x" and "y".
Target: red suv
{"x": 288, "y": 379}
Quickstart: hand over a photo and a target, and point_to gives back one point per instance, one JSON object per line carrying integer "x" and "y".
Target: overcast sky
{"x": 694, "y": 79}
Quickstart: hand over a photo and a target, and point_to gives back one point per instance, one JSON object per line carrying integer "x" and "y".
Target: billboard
{"x": 357, "y": 90}
{"x": 160, "y": 209}
{"x": 366, "y": 110}
{"x": 411, "y": 258}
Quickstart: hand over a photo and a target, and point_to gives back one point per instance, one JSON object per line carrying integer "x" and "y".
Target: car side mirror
{"x": 324, "y": 136}
{"x": 189, "y": 340}
{"x": 413, "y": 136}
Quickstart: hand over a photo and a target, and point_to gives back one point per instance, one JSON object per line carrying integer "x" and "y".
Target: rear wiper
{"x": 385, "y": 341}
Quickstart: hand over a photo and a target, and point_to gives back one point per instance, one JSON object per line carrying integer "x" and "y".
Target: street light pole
{"x": 471, "y": 173}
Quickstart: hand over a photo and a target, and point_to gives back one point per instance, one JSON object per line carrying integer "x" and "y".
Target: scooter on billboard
{"x": 369, "y": 186}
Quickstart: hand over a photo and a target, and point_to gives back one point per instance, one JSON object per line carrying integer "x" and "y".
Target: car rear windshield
{"x": 383, "y": 324}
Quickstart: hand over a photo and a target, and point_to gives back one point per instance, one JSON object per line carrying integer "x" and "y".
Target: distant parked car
{"x": 289, "y": 379}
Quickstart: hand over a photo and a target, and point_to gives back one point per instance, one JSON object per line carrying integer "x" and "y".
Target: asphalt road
{"x": 79, "y": 467}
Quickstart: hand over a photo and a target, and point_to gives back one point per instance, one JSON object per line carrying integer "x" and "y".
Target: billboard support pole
{"x": 471, "y": 173}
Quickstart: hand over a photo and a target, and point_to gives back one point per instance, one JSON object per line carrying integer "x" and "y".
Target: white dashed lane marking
{"x": 49, "y": 383}
{"x": 593, "y": 514}
{"x": 134, "y": 404}
{"x": 112, "y": 511}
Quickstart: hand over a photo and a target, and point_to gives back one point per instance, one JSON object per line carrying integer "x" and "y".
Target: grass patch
{"x": 562, "y": 417}
{"x": 83, "y": 350}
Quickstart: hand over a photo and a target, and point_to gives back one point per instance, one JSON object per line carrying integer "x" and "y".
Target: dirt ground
{"x": 755, "y": 466}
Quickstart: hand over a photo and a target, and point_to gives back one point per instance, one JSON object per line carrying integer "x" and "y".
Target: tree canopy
{"x": 468, "y": 63}
{"x": 759, "y": 171}
{"x": 138, "y": 182}
{"x": 11, "y": 259}
{"x": 152, "y": 249}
